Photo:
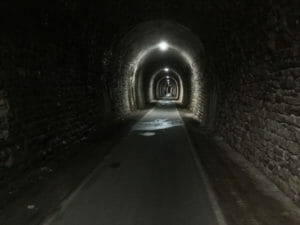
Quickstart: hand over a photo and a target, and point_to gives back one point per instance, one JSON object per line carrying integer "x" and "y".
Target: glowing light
{"x": 166, "y": 69}
{"x": 163, "y": 46}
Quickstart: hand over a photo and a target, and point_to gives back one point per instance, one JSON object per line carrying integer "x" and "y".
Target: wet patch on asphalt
{"x": 158, "y": 124}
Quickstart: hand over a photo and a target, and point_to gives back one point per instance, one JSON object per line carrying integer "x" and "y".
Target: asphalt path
{"x": 150, "y": 178}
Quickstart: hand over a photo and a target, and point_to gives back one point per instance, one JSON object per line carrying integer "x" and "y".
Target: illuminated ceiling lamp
{"x": 163, "y": 46}
{"x": 166, "y": 69}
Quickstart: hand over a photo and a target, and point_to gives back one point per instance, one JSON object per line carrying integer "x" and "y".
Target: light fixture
{"x": 163, "y": 46}
{"x": 166, "y": 69}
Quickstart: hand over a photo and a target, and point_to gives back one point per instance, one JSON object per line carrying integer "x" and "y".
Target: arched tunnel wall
{"x": 60, "y": 75}
{"x": 259, "y": 101}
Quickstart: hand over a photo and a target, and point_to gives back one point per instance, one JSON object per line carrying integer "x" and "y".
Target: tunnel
{"x": 150, "y": 112}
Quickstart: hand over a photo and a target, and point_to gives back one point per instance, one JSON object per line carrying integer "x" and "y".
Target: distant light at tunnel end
{"x": 163, "y": 46}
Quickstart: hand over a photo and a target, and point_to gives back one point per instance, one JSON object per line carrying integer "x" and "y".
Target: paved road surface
{"x": 150, "y": 178}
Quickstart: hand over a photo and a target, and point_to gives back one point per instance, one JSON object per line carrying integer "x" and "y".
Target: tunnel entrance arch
{"x": 141, "y": 54}
{"x": 166, "y": 88}
{"x": 158, "y": 76}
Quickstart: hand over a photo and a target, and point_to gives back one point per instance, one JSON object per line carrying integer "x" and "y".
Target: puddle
{"x": 147, "y": 134}
{"x": 157, "y": 124}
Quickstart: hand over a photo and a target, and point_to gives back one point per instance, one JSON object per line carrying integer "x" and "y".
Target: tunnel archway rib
{"x": 156, "y": 62}
{"x": 166, "y": 88}
{"x": 161, "y": 74}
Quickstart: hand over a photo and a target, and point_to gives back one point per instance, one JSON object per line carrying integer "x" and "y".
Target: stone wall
{"x": 259, "y": 111}
{"x": 262, "y": 121}
{"x": 5, "y": 159}
{"x": 51, "y": 97}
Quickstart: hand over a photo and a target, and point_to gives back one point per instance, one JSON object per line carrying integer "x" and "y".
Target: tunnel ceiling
{"x": 171, "y": 59}
{"x": 99, "y": 24}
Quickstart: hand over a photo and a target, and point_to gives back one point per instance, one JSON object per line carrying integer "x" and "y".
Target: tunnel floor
{"x": 151, "y": 179}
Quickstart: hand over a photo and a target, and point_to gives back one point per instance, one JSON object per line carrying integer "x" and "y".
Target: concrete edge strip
{"x": 64, "y": 204}
{"x": 211, "y": 194}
